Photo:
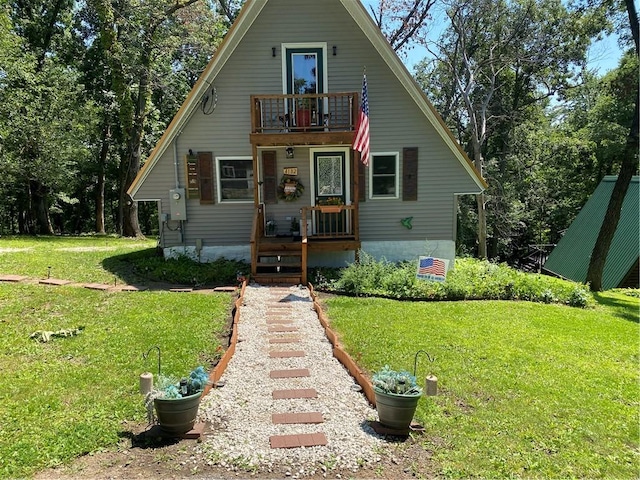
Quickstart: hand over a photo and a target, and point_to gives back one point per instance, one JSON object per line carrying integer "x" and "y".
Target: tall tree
{"x": 403, "y": 22}
{"x": 628, "y": 168}
{"x": 498, "y": 58}
{"x": 141, "y": 42}
{"x": 43, "y": 112}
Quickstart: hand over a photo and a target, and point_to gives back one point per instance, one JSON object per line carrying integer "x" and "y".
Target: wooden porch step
{"x": 279, "y": 253}
{"x": 279, "y": 264}
{"x": 278, "y": 278}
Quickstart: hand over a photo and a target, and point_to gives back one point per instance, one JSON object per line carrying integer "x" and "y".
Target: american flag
{"x": 361, "y": 140}
{"x": 431, "y": 265}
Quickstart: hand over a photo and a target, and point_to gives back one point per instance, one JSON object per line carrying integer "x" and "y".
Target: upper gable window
{"x": 383, "y": 180}
{"x": 304, "y": 68}
{"x": 235, "y": 179}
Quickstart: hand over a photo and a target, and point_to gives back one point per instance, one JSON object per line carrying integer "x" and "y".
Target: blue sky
{"x": 603, "y": 56}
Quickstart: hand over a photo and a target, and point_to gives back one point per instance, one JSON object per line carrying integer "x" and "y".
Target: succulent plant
{"x": 398, "y": 382}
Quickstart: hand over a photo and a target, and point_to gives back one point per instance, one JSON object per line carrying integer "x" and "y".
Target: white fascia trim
{"x": 372, "y": 32}
{"x": 245, "y": 20}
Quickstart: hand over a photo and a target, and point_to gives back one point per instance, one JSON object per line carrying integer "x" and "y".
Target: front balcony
{"x": 316, "y": 119}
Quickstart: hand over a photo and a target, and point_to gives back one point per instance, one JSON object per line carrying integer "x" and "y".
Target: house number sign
{"x": 291, "y": 171}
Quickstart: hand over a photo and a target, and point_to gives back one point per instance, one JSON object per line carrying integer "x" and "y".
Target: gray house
{"x": 258, "y": 162}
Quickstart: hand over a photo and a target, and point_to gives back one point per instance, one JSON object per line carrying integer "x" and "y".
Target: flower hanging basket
{"x": 290, "y": 188}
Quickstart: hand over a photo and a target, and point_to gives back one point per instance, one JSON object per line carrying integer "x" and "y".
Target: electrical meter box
{"x": 178, "y": 204}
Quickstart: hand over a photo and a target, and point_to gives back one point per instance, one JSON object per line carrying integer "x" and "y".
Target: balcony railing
{"x": 328, "y": 112}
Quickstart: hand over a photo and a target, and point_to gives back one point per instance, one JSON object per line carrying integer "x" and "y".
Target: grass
{"x": 109, "y": 260}
{"x": 75, "y": 395}
{"x": 81, "y": 259}
{"x": 525, "y": 389}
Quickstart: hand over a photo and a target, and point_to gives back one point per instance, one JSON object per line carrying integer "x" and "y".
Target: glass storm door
{"x": 330, "y": 188}
{"x": 305, "y": 74}
{"x": 329, "y": 178}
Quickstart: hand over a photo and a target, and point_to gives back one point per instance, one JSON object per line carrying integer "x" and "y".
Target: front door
{"x": 330, "y": 186}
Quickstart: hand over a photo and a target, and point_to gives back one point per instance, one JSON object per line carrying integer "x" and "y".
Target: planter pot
{"x": 178, "y": 415}
{"x": 396, "y": 411}
{"x": 330, "y": 208}
{"x": 303, "y": 117}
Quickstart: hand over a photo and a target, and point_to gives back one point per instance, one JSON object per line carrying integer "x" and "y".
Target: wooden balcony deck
{"x": 315, "y": 119}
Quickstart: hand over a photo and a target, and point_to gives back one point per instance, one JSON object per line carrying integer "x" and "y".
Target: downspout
{"x": 175, "y": 173}
{"x": 175, "y": 158}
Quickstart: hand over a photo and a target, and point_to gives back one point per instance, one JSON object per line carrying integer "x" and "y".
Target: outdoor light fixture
{"x": 273, "y": 51}
{"x": 335, "y": 50}
{"x": 289, "y": 152}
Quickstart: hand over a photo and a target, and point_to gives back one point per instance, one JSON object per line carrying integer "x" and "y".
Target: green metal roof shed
{"x": 570, "y": 258}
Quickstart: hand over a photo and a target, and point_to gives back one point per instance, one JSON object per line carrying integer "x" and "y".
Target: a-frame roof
{"x": 247, "y": 16}
{"x": 570, "y": 258}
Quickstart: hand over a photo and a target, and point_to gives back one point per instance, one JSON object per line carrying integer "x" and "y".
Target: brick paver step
{"x": 290, "y": 373}
{"x": 294, "y": 393}
{"x": 290, "y": 339}
{"x": 290, "y": 418}
{"x": 12, "y": 278}
{"x": 278, "y": 320}
{"x": 296, "y": 441}
{"x": 287, "y": 354}
{"x": 97, "y": 286}
{"x": 54, "y": 281}
{"x": 281, "y": 328}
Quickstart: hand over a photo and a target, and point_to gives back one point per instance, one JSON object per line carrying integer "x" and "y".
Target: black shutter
{"x": 205, "y": 177}
{"x": 410, "y": 174}
{"x": 269, "y": 177}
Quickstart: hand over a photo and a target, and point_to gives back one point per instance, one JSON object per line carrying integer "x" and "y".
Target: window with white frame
{"x": 383, "y": 175}
{"x": 235, "y": 179}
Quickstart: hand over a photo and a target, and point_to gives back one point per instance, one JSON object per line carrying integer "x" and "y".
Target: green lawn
{"x": 61, "y": 399}
{"x": 80, "y": 259}
{"x": 525, "y": 390}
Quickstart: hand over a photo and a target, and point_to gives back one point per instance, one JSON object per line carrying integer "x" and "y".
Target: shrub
{"x": 471, "y": 279}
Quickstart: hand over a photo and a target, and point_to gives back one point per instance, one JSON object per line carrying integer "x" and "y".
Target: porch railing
{"x": 330, "y": 222}
{"x": 328, "y": 112}
{"x": 257, "y": 231}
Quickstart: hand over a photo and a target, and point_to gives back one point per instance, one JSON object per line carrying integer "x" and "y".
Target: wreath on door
{"x": 290, "y": 188}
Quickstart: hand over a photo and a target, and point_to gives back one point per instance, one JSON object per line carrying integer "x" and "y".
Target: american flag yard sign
{"x": 430, "y": 268}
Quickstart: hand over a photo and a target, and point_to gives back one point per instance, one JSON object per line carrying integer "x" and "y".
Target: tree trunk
{"x": 478, "y": 161}
{"x": 627, "y": 169}
{"x": 40, "y": 208}
{"x": 100, "y": 184}
{"x": 131, "y": 163}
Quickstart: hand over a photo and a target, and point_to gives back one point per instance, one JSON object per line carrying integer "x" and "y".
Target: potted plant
{"x": 397, "y": 395}
{"x": 331, "y": 205}
{"x": 271, "y": 228}
{"x": 295, "y": 227}
{"x": 303, "y": 112}
{"x": 176, "y": 401}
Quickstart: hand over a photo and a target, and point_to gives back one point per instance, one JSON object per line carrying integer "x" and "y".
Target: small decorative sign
{"x": 291, "y": 171}
{"x": 191, "y": 163}
{"x": 433, "y": 269}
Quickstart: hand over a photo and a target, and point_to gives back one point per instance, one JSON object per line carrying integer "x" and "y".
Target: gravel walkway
{"x": 240, "y": 411}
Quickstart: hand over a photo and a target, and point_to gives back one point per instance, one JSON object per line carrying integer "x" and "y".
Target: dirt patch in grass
{"x": 141, "y": 456}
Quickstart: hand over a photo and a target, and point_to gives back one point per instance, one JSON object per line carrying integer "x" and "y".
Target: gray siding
{"x": 396, "y": 122}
